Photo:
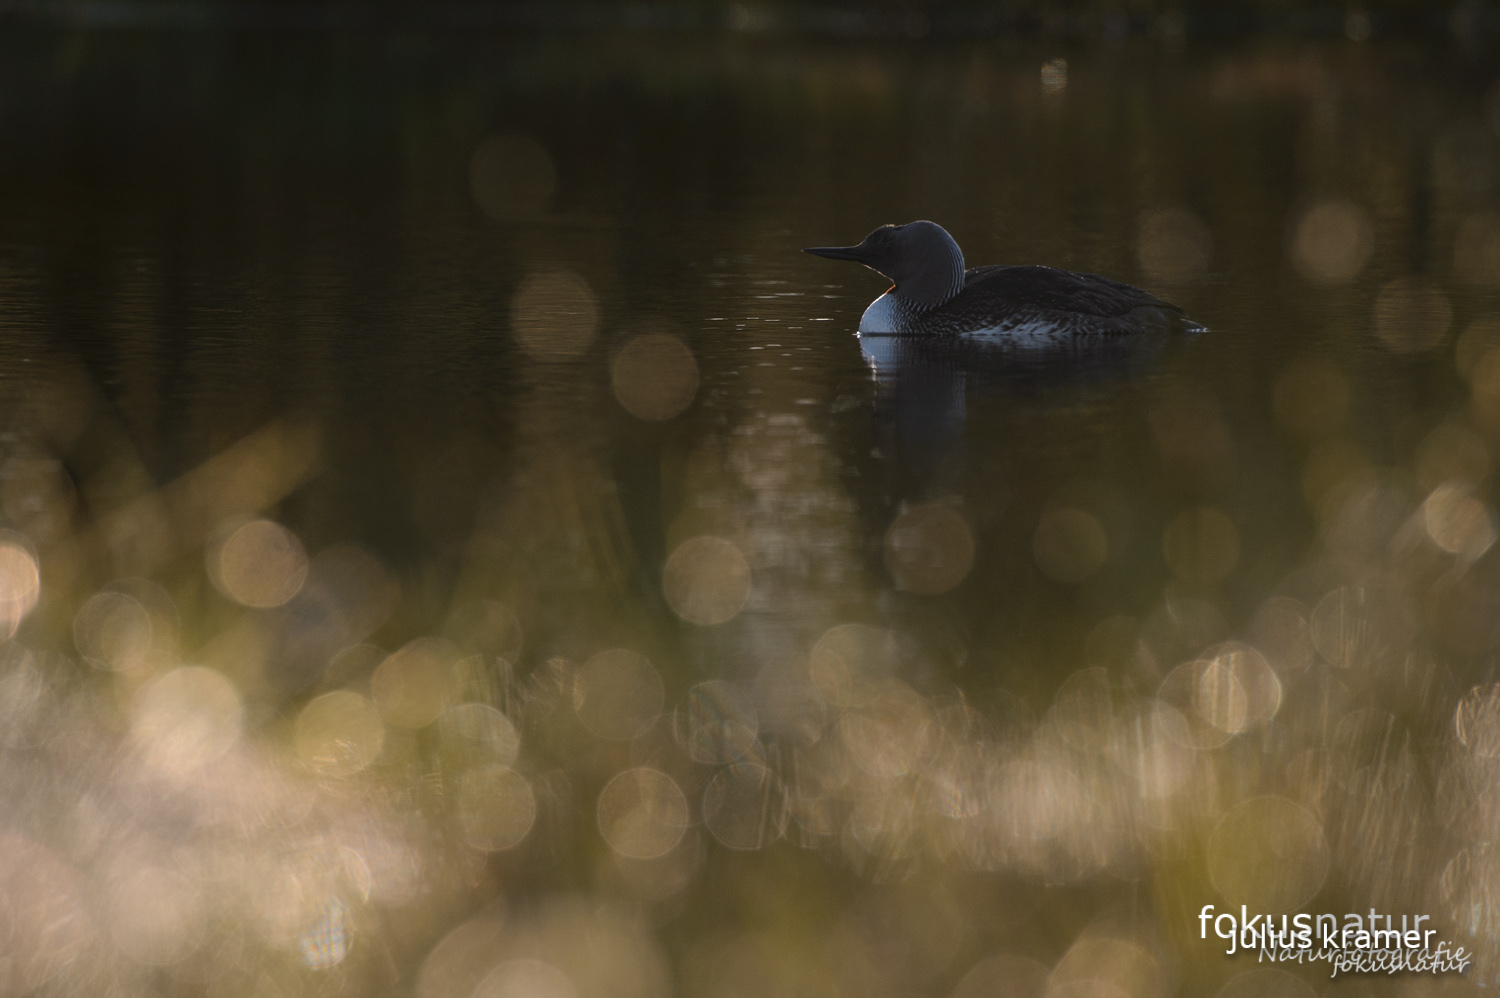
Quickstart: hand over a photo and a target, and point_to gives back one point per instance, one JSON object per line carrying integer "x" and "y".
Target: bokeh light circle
{"x": 259, "y": 564}
{"x": 1069, "y": 544}
{"x": 113, "y": 630}
{"x": 642, "y": 813}
{"x": 618, "y": 694}
{"x": 1458, "y": 521}
{"x": 706, "y": 580}
{"x": 929, "y": 549}
{"x": 414, "y": 685}
{"x": 525, "y": 978}
{"x": 1268, "y": 853}
{"x": 339, "y": 732}
{"x": 654, "y": 376}
{"x": 496, "y": 807}
{"x": 187, "y": 719}
{"x": 1332, "y": 242}
{"x": 553, "y": 315}
{"x": 477, "y": 732}
{"x": 20, "y": 582}
{"x": 1236, "y": 688}
{"x": 1411, "y": 315}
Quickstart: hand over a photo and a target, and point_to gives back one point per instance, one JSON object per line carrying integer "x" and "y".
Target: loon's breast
{"x": 1030, "y": 306}
{"x": 881, "y": 317}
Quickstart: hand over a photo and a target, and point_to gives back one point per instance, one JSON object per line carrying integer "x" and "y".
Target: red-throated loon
{"x": 1030, "y": 306}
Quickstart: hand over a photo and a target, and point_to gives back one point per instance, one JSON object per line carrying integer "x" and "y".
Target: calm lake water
{"x": 456, "y": 544}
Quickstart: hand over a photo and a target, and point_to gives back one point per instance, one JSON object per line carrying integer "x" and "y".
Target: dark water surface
{"x": 477, "y": 557}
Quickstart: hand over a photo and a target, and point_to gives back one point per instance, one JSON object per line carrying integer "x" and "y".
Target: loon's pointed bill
{"x": 855, "y": 253}
{"x": 934, "y": 294}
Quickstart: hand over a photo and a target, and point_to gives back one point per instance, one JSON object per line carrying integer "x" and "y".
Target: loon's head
{"x": 920, "y": 257}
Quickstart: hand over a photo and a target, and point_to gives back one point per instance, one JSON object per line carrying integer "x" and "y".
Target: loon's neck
{"x": 935, "y": 283}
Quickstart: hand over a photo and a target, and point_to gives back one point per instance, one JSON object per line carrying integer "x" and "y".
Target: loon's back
{"x": 1047, "y": 304}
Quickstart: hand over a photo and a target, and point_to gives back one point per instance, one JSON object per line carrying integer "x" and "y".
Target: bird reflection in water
{"x": 923, "y": 385}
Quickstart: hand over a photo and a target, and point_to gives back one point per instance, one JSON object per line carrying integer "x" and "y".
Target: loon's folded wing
{"x": 1052, "y": 289}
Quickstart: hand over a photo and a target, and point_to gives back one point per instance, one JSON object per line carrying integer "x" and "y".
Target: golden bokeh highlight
{"x": 414, "y": 685}
{"x": 1069, "y": 544}
{"x": 1332, "y": 241}
{"x": 1174, "y": 245}
{"x": 1236, "y": 689}
{"x": 20, "y": 582}
{"x": 1311, "y": 397}
{"x": 496, "y": 807}
{"x": 1151, "y": 741}
{"x": 1083, "y": 708}
{"x": 186, "y": 719}
{"x": 259, "y": 564}
{"x": 339, "y": 733}
{"x": 1268, "y": 853}
{"x": 553, "y": 315}
{"x": 477, "y": 732}
{"x": 1281, "y": 631}
{"x": 1476, "y": 249}
{"x": 1202, "y": 545}
{"x": 745, "y": 807}
{"x": 642, "y": 813}
{"x": 890, "y": 735}
{"x": 1452, "y": 453}
{"x": 706, "y": 580}
{"x": 929, "y": 549}
{"x": 1344, "y": 626}
{"x": 462, "y": 958}
{"x": 665, "y": 876}
{"x": 114, "y": 631}
{"x": 618, "y": 694}
{"x": 1411, "y": 315}
{"x": 654, "y": 376}
{"x": 525, "y": 978}
{"x": 1184, "y": 691}
{"x": 849, "y": 661}
{"x": 511, "y": 177}
{"x": 1458, "y": 521}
